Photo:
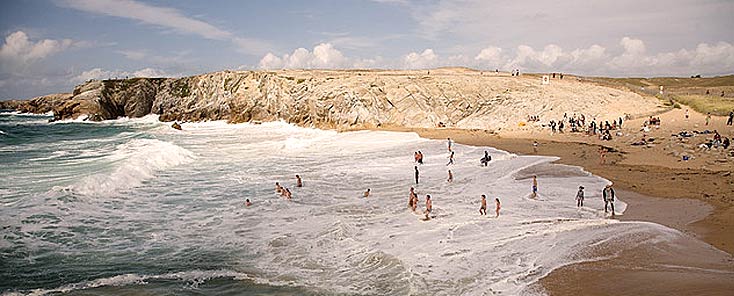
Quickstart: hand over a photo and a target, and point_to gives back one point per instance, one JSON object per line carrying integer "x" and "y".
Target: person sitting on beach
{"x": 486, "y": 159}
{"x": 725, "y": 143}
{"x": 278, "y": 188}
{"x": 247, "y": 202}
{"x": 429, "y": 206}
{"x": 451, "y": 158}
{"x": 483, "y": 207}
{"x": 451, "y": 177}
{"x": 367, "y": 193}
{"x": 535, "y": 186}
{"x": 497, "y": 207}
{"x": 608, "y": 197}
{"x": 299, "y": 182}
{"x": 580, "y": 197}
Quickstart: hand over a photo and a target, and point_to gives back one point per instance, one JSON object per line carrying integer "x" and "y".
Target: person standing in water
{"x": 497, "y": 207}
{"x": 367, "y": 193}
{"x": 449, "y": 143}
{"x": 416, "y": 174}
{"x": 451, "y": 177}
{"x": 420, "y": 157}
{"x": 299, "y": 182}
{"x": 535, "y": 186}
{"x": 483, "y": 207}
{"x": 608, "y": 196}
{"x": 411, "y": 197}
{"x": 429, "y": 206}
{"x": 580, "y": 197}
{"x": 278, "y": 188}
{"x": 485, "y": 160}
{"x": 451, "y": 158}
{"x": 247, "y": 202}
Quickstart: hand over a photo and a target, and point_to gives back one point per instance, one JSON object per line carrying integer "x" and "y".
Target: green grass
{"x": 704, "y": 104}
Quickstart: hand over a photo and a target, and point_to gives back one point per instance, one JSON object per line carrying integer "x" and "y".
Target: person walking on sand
{"x": 535, "y": 186}
{"x": 608, "y": 196}
{"x": 708, "y": 118}
{"x": 299, "y": 182}
{"x": 686, "y": 113}
{"x": 416, "y": 174}
{"x": 535, "y": 147}
{"x": 731, "y": 118}
{"x": 429, "y": 206}
{"x": 367, "y": 193}
{"x": 451, "y": 177}
{"x": 449, "y": 143}
{"x": 451, "y": 158}
{"x": 497, "y": 207}
{"x": 580, "y": 197}
{"x": 483, "y": 207}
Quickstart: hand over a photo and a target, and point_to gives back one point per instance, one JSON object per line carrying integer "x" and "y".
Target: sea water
{"x": 134, "y": 206}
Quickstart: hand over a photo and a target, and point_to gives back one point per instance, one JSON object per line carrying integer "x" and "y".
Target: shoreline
{"x": 667, "y": 196}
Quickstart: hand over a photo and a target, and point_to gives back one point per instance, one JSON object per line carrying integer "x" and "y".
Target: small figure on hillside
{"x": 686, "y": 113}
{"x": 731, "y": 118}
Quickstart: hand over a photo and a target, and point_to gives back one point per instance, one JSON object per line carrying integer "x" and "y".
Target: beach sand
{"x": 695, "y": 197}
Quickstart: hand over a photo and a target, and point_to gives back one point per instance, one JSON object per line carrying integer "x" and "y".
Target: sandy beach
{"x": 695, "y": 197}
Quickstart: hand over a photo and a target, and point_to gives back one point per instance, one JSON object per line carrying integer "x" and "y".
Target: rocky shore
{"x": 452, "y": 97}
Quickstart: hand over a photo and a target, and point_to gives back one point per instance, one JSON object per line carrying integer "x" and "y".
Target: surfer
{"x": 367, "y": 193}
{"x": 486, "y": 159}
{"x": 483, "y": 207}
{"x": 451, "y": 177}
{"x": 429, "y": 206}
{"x": 299, "y": 182}
{"x": 497, "y": 207}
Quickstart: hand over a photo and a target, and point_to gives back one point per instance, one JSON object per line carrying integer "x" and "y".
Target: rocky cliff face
{"x": 342, "y": 99}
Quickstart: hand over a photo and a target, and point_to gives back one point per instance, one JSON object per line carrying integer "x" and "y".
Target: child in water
{"x": 497, "y": 207}
{"x": 429, "y": 206}
{"x": 483, "y": 207}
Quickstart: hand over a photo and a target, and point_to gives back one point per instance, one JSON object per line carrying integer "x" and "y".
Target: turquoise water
{"x": 136, "y": 207}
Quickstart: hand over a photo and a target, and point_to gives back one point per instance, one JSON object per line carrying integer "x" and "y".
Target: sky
{"x": 51, "y": 46}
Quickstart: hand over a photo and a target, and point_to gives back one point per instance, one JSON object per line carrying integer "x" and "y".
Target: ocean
{"x": 132, "y": 206}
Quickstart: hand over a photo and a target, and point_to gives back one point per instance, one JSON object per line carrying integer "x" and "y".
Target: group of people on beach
{"x": 579, "y": 124}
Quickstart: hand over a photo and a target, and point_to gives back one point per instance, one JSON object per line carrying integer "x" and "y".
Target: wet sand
{"x": 696, "y": 201}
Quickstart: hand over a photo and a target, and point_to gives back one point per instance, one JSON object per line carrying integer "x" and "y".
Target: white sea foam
{"x": 329, "y": 237}
{"x": 134, "y": 162}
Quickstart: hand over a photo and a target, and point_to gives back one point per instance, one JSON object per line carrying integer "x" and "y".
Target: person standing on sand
{"x": 451, "y": 177}
{"x": 731, "y": 118}
{"x": 451, "y": 158}
{"x": 497, "y": 207}
{"x": 708, "y": 118}
{"x": 686, "y": 113}
{"x": 416, "y": 174}
{"x": 299, "y": 182}
{"x": 580, "y": 197}
{"x": 602, "y": 155}
{"x": 608, "y": 196}
{"x": 535, "y": 186}
{"x": 535, "y": 147}
{"x": 429, "y": 206}
{"x": 483, "y": 207}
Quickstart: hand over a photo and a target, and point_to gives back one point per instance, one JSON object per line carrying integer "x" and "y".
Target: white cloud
{"x": 425, "y": 59}
{"x": 323, "y": 56}
{"x": 100, "y": 74}
{"x": 19, "y": 49}
{"x": 168, "y": 18}
{"x": 491, "y": 56}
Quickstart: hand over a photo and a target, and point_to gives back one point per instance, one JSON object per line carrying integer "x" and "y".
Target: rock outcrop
{"x": 460, "y": 98}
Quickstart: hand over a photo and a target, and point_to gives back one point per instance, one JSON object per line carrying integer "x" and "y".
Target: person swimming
{"x": 299, "y": 182}
{"x": 278, "y": 188}
{"x": 429, "y": 206}
{"x": 247, "y": 202}
{"x": 483, "y": 207}
{"x": 367, "y": 193}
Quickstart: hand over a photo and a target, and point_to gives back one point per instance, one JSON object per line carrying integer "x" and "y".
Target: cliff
{"x": 460, "y": 98}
